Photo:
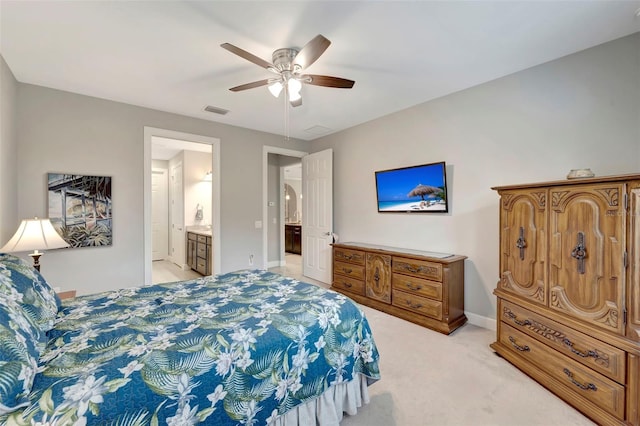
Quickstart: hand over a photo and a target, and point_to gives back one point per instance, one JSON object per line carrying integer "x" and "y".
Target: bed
{"x": 243, "y": 348}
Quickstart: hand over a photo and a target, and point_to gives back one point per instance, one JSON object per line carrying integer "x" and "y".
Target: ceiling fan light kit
{"x": 288, "y": 64}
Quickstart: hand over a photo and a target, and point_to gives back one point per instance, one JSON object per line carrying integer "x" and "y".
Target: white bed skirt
{"x": 328, "y": 408}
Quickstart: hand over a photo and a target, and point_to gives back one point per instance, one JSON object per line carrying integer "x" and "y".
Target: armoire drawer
{"x": 591, "y": 352}
{"x": 349, "y": 284}
{"x": 349, "y": 270}
{"x": 577, "y": 378}
{"x": 346, "y": 255}
{"x": 419, "y": 286}
{"x": 417, "y": 268}
{"x": 421, "y": 305}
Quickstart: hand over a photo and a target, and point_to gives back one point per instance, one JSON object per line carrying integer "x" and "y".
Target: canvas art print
{"x": 80, "y": 208}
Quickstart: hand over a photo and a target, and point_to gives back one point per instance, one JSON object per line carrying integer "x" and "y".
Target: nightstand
{"x": 70, "y": 294}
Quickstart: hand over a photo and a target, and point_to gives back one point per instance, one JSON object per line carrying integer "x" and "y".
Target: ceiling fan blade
{"x": 250, "y": 85}
{"x": 296, "y": 103}
{"x": 327, "y": 81}
{"x": 311, "y": 51}
{"x": 246, "y": 55}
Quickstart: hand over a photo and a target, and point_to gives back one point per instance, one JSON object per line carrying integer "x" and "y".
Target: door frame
{"x": 266, "y": 150}
{"x": 150, "y": 132}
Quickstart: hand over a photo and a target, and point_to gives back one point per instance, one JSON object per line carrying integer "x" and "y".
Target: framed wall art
{"x": 80, "y": 208}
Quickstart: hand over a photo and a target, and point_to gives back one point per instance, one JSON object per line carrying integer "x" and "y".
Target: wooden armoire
{"x": 568, "y": 297}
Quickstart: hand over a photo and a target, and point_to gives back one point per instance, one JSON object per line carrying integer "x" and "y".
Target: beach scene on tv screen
{"x": 420, "y": 188}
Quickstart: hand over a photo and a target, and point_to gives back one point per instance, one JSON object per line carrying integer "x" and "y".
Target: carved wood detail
{"x": 533, "y": 292}
{"x": 541, "y": 198}
{"x": 612, "y": 195}
{"x": 607, "y": 315}
{"x": 557, "y": 198}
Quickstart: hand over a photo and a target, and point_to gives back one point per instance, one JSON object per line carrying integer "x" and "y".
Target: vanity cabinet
{"x": 569, "y": 290}
{"x": 199, "y": 249}
{"x": 425, "y": 288}
{"x": 293, "y": 239}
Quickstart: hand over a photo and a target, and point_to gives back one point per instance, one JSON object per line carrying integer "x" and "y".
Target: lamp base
{"x": 36, "y": 259}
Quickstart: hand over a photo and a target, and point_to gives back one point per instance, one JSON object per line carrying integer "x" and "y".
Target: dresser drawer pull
{"x": 587, "y": 354}
{"x": 346, "y": 284}
{"x": 347, "y": 270}
{"x": 412, "y": 269}
{"x": 412, "y": 287}
{"x": 513, "y": 317}
{"x": 345, "y": 256}
{"x": 524, "y": 348}
{"x": 411, "y": 305}
{"x": 589, "y": 386}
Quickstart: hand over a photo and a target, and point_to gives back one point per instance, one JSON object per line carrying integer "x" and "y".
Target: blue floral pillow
{"x": 20, "y": 347}
{"x": 38, "y": 300}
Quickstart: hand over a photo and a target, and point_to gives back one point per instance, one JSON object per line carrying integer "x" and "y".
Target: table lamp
{"x": 34, "y": 234}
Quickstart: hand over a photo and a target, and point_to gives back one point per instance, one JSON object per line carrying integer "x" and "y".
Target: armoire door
{"x": 378, "y": 277}
{"x": 522, "y": 247}
{"x": 587, "y": 249}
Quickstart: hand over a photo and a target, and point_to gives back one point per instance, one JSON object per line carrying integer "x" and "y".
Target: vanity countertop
{"x": 199, "y": 229}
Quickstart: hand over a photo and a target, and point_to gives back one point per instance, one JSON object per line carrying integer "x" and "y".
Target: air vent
{"x": 216, "y": 110}
{"x": 318, "y": 130}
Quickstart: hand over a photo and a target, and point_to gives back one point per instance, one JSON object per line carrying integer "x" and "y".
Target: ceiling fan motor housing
{"x": 283, "y": 59}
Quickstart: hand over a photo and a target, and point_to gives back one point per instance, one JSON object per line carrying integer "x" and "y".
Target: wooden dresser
{"x": 569, "y": 291}
{"x": 422, "y": 287}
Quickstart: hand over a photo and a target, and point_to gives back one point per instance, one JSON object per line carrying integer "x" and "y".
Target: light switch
{"x": 258, "y": 224}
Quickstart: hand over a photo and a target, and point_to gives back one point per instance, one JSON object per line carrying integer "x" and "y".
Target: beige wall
{"x": 8, "y": 153}
{"x": 66, "y": 132}
{"x": 578, "y": 111}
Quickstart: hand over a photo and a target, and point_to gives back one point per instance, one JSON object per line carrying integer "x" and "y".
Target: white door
{"x": 317, "y": 226}
{"x": 160, "y": 213}
{"x": 177, "y": 216}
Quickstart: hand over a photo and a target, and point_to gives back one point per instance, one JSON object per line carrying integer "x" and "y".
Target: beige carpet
{"x": 429, "y": 378}
{"x": 432, "y": 379}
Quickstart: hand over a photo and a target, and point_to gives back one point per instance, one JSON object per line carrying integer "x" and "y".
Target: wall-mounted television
{"x": 415, "y": 189}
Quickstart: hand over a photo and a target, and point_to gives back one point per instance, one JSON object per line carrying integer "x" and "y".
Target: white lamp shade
{"x": 275, "y": 88}
{"x": 293, "y": 87}
{"x": 34, "y": 234}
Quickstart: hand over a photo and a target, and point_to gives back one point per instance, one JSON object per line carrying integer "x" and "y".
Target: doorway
{"x": 171, "y": 152}
{"x": 275, "y": 160}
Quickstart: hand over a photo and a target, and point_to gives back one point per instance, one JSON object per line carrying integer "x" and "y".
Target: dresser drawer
{"x": 417, "y": 268}
{"x": 577, "y": 378}
{"x": 349, "y": 284}
{"x": 418, "y": 304}
{"x": 591, "y": 352}
{"x": 348, "y": 270}
{"x": 202, "y": 250}
{"x": 347, "y": 255}
{"x": 202, "y": 239}
{"x": 418, "y": 286}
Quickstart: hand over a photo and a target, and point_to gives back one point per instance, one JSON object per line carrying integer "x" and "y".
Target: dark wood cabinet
{"x": 199, "y": 252}
{"x": 293, "y": 239}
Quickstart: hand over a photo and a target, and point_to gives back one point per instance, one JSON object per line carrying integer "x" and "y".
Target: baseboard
{"x": 480, "y": 321}
{"x": 276, "y": 263}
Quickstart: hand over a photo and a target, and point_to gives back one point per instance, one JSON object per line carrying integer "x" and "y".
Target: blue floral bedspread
{"x": 239, "y": 348}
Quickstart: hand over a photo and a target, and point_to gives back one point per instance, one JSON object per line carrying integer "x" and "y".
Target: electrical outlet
{"x": 250, "y": 259}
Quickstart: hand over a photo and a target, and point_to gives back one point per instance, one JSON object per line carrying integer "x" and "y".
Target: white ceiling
{"x": 166, "y": 55}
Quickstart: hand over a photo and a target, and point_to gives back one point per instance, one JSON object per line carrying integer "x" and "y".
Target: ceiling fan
{"x": 288, "y": 64}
